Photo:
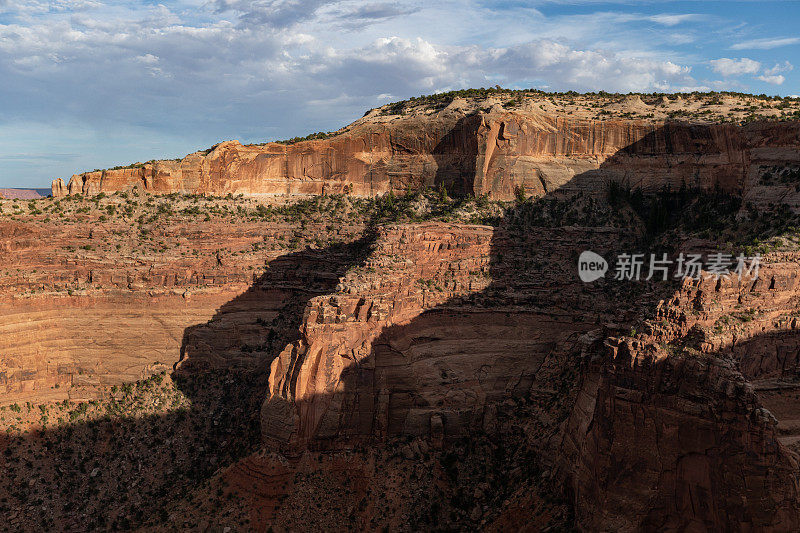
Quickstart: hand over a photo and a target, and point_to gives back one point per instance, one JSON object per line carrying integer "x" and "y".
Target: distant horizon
{"x": 95, "y": 84}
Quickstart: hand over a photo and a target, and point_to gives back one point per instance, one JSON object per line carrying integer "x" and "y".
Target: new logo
{"x": 591, "y": 266}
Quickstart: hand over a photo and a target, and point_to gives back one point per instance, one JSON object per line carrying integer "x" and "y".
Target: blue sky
{"x": 90, "y": 84}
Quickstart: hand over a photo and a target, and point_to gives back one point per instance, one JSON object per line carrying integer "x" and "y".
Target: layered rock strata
{"x": 84, "y": 307}
{"x": 435, "y": 332}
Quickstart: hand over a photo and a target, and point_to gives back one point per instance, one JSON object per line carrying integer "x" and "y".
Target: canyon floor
{"x": 424, "y": 357}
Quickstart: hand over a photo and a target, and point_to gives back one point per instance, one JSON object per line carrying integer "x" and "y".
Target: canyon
{"x": 385, "y": 328}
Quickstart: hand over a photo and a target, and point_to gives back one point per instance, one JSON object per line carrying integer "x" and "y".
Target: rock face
{"x": 667, "y": 430}
{"x": 75, "y": 346}
{"x": 484, "y": 152}
{"x": 340, "y": 355}
{"x": 676, "y": 444}
{"x": 547, "y": 153}
{"x": 428, "y": 349}
{"x": 692, "y": 395}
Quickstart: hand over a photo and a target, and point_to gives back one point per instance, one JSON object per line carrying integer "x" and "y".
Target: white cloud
{"x": 734, "y": 67}
{"x": 402, "y": 66}
{"x": 765, "y": 44}
{"x": 775, "y": 79}
{"x": 228, "y": 66}
{"x": 147, "y": 59}
{"x": 562, "y": 66}
{"x": 274, "y": 13}
{"x": 779, "y": 67}
{"x": 674, "y": 20}
{"x": 31, "y": 7}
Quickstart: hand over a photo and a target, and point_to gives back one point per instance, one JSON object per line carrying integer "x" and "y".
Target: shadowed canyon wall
{"x": 429, "y": 348}
{"x": 693, "y": 395}
{"x": 662, "y": 432}
{"x": 443, "y": 325}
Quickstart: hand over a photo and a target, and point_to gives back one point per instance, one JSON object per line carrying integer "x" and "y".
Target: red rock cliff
{"x": 484, "y": 152}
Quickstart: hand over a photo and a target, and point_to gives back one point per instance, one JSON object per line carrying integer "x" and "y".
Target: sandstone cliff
{"x": 444, "y": 326}
{"x": 468, "y": 150}
{"x": 87, "y": 303}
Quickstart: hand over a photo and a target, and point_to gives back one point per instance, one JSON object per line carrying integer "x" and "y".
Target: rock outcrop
{"x": 679, "y": 443}
{"x": 338, "y": 375}
{"x": 668, "y": 429}
{"x": 58, "y": 188}
{"x": 378, "y": 357}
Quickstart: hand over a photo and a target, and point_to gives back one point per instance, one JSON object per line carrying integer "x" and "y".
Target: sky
{"x": 88, "y": 84}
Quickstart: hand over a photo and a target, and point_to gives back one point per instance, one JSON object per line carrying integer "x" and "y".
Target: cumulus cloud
{"x": 734, "y": 67}
{"x": 772, "y": 75}
{"x": 563, "y": 66}
{"x": 94, "y": 68}
{"x": 773, "y": 79}
{"x": 737, "y": 67}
